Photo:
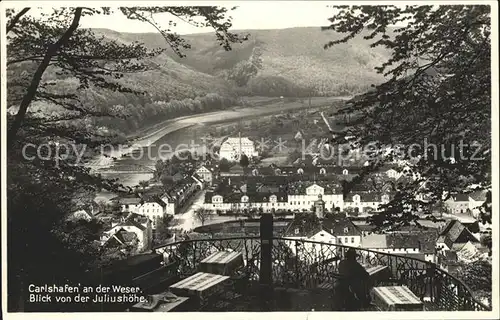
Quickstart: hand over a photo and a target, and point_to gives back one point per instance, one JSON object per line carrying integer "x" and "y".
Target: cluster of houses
{"x": 156, "y": 202}
{"x": 295, "y": 188}
{"x": 132, "y": 229}
{"x": 233, "y": 197}
{"x": 133, "y": 233}
{"x": 130, "y": 233}
{"x": 291, "y": 189}
{"x": 447, "y": 244}
{"x": 466, "y": 203}
{"x": 460, "y": 242}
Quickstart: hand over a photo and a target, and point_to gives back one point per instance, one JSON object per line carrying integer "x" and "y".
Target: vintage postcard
{"x": 308, "y": 157}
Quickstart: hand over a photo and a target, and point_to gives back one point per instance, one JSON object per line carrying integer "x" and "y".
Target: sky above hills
{"x": 248, "y": 15}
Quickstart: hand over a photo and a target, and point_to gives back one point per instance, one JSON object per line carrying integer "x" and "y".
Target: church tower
{"x": 319, "y": 206}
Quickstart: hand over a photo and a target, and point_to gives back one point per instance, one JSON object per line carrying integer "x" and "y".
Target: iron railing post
{"x": 266, "y": 263}
{"x": 195, "y": 266}
{"x": 431, "y": 273}
{"x": 296, "y": 262}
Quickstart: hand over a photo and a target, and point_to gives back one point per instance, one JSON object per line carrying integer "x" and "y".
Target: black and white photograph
{"x": 251, "y": 156}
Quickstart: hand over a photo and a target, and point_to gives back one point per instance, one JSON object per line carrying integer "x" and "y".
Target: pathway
{"x": 186, "y": 219}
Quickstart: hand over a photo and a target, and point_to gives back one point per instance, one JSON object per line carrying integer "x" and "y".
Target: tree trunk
{"x": 37, "y": 77}
{"x": 16, "y": 19}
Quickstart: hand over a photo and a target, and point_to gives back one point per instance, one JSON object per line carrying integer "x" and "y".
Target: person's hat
{"x": 350, "y": 253}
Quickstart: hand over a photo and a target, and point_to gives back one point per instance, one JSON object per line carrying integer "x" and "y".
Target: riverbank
{"x": 238, "y": 112}
{"x": 247, "y": 101}
{"x": 104, "y": 161}
{"x": 155, "y": 133}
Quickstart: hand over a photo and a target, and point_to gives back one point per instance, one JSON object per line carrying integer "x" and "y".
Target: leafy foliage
{"x": 437, "y": 99}
{"x": 163, "y": 231}
{"x": 487, "y": 241}
{"x": 478, "y": 277}
{"x": 42, "y": 247}
{"x": 225, "y": 165}
{"x": 202, "y": 215}
{"x": 56, "y": 72}
{"x": 244, "y": 162}
{"x": 307, "y": 219}
{"x": 274, "y": 86}
{"x": 244, "y": 70}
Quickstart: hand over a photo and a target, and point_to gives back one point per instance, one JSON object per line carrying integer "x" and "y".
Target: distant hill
{"x": 167, "y": 78}
{"x": 293, "y": 62}
{"x": 296, "y": 54}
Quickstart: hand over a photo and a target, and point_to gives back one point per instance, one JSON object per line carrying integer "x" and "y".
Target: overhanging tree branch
{"x": 14, "y": 20}
{"x": 37, "y": 77}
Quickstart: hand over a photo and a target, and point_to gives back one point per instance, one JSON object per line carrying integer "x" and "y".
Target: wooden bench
{"x": 378, "y": 274}
{"x": 327, "y": 286}
{"x": 396, "y": 298}
{"x": 200, "y": 285}
{"x": 222, "y": 262}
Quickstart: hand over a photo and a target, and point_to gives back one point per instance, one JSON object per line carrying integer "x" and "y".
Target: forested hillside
{"x": 292, "y": 57}
{"x": 170, "y": 89}
{"x": 288, "y": 62}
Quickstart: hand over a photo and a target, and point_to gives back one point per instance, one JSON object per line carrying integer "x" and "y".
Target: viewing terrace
{"x": 280, "y": 274}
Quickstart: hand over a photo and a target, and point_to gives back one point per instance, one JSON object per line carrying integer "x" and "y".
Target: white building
{"x": 318, "y": 236}
{"x": 206, "y": 173}
{"x": 297, "y": 201}
{"x": 476, "y": 199}
{"x": 399, "y": 243}
{"x": 150, "y": 206}
{"x": 297, "y": 198}
{"x": 232, "y": 148}
{"x": 458, "y": 203}
{"x": 129, "y": 204}
{"x": 119, "y": 234}
{"x": 154, "y": 208}
{"x": 391, "y": 243}
{"x": 341, "y": 231}
{"x": 363, "y": 202}
{"x": 79, "y": 215}
{"x": 319, "y": 244}
{"x": 265, "y": 202}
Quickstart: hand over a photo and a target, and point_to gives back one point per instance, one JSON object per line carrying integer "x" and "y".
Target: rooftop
{"x": 405, "y": 241}
{"x": 370, "y": 196}
{"x": 455, "y": 232}
{"x": 132, "y": 223}
{"x": 460, "y": 197}
{"x": 131, "y": 200}
{"x": 237, "y": 140}
{"x": 374, "y": 241}
{"x": 305, "y": 225}
{"x": 478, "y": 195}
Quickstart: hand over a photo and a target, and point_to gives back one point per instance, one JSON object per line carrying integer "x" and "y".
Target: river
{"x": 187, "y": 133}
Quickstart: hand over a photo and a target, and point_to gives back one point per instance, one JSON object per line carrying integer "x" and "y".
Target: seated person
{"x": 354, "y": 283}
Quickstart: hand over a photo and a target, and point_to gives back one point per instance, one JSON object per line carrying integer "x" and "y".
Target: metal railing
{"x": 304, "y": 264}
{"x": 189, "y": 253}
